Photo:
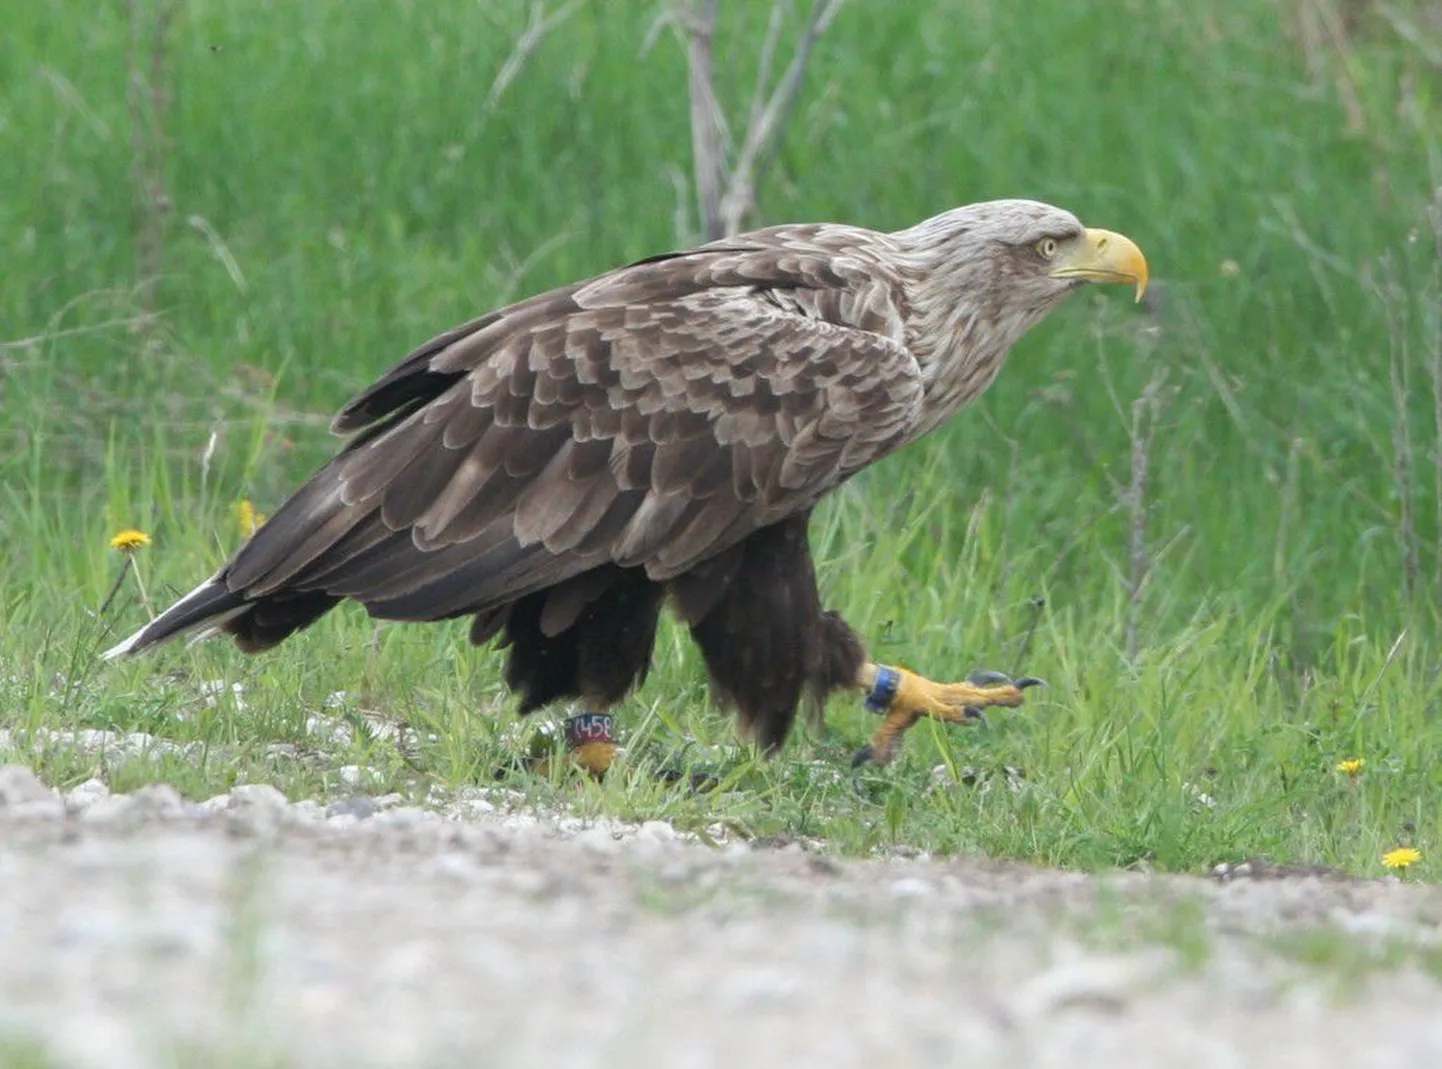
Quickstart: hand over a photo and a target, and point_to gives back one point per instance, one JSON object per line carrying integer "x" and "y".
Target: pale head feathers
{"x": 976, "y": 282}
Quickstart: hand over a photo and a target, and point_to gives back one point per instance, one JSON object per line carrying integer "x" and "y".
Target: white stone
{"x": 406, "y": 816}
{"x": 115, "y": 808}
{"x": 257, "y": 796}
{"x": 912, "y": 887}
{"x": 458, "y": 866}
{"x": 19, "y": 784}
{"x": 360, "y": 808}
{"x": 656, "y": 830}
{"x": 211, "y": 690}
{"x": 159, "y": 799}
{"x": 352, "y": 775}
{"x": 87, "y": 794}
{"x": 599, "y": 837}
{"x": 307, "y": 810}
{"x": 329, "y": 729}
{"x": 469, "y": 808}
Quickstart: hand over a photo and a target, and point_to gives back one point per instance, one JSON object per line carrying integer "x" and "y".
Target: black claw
{"x": 701, "y": 781}
{"x": 1029, "y": 681}
{"x": 863, "y": 756}
{"x": 515, "y": 767}
{"x": 698, "y": 782}
{"x": 984, "y": 678}
{"x": 971, "y": 712}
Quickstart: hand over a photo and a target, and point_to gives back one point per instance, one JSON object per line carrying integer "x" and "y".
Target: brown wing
{"x": 651, "y": 417}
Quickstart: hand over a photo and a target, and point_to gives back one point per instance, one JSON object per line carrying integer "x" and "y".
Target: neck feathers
{"x": 961, "y": 324}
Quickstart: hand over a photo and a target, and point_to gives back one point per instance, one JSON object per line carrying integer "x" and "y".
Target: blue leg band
{"x": 883, "y": 690}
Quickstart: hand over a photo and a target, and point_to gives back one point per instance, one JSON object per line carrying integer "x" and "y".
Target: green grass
{"x": 340, "y": 193}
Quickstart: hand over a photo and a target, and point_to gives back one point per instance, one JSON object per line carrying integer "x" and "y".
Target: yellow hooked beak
{"x": 1103, "y": 256}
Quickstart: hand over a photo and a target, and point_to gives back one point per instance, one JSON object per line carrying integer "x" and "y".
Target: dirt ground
{"x": 143, "y": 931}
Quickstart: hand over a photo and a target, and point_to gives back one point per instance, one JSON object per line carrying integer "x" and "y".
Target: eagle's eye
{"x": 1046, "y": 248}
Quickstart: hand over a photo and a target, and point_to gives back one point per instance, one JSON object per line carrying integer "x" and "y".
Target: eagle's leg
{"x": 902, "y": 698}
{"x": 590, "y": 741}
{"x": 585, "y": 641}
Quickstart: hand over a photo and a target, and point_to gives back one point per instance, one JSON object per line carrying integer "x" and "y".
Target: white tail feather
{"x": 129, "y": 644}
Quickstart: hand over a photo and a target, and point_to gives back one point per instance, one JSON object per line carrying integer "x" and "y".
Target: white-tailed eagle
{"x": 559, "y": 469}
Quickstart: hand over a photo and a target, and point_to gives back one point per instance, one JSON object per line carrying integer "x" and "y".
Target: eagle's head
{"x": 979, "y": 276}
{"x": 1021, "y": 252}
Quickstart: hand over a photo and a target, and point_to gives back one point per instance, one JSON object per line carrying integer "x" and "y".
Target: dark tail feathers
{"x": 257, "y": 625}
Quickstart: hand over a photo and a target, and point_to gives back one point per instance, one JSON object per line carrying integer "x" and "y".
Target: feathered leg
{"x": 590, "y": 739}
{"x": 587, "y": 640}
{"x": 756, "y": 614}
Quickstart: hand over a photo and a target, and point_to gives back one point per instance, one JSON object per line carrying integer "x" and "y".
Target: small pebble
{"x": 599, "y": 838}
{"x": 656, "y": 831}
{"x": 406, "y": 816}
{"x": 307, "y": 810}
{"x": 469, "y": 808}
{"x": 355, "y": 775}
{"x": 158, "y": 800}
{"x": 86, "y": 794}
{"x": 911, "y": 887}
{"x": 360, "y": 807}
{"x": 257, "y": 796}
{"x": 110, "y": 810}
{"x": 458, "y": 866}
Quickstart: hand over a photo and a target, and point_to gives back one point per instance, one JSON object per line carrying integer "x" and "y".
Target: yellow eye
{"x": 1046, "y": 248}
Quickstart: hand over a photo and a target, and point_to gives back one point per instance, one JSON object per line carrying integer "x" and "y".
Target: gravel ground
{"x": 144, "y": 930}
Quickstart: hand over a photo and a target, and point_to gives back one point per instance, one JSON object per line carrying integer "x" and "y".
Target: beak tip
{"x": 1109, "y": 257}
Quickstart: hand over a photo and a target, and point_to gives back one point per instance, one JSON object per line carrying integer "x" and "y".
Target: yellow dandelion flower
{"x": 1402, "y": 857}
{"x": 129, "y": 540}
{"x": 1351, "y": 766}
{"x": 248, "y": 516}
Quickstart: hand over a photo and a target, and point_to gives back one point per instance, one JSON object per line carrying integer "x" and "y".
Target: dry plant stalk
{"x": 148, "y": 99}
{"x": 726, "y": 181}
{"x": 1322, "y": 27}
{"x": 1434, "y": 367}
{"x": 1413, "y": 320}
{"x": 539, "y": 23}
{"x": 1146, "y": 412}
{"x": 1393, "y": 299}
{"x": 1143, "y": 421}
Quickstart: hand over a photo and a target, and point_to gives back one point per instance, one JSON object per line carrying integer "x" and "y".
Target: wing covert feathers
{"x": 651, "y": 416}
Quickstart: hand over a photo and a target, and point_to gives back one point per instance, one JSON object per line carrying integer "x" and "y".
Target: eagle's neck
{"x": 961, "y": 327}
{"x": 960, "y": 369}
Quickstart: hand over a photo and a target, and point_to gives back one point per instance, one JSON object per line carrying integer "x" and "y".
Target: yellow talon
{"x": 916, "y": 696}
{"x": 950, "y": 701}
{"x": 595, "y": 757}
{"x": 588, "y": 744}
